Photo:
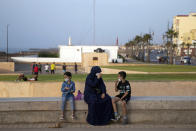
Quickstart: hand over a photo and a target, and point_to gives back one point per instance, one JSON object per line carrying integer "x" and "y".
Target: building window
{"x": 95, "y": 58}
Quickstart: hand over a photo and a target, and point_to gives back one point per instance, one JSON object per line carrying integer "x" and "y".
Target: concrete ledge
{"x": 142, "y": 110}
{"x": 53, "y": 89}
{"x": 7, "y": 67}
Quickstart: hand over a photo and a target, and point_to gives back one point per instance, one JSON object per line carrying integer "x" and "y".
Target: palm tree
{"x": 132, "y": 44}
{"x": 194, "y": 44}
{"x": 182, "y": 45}
{"x": 167, "y": 45}
{"x": 170, "y": 35}
{"x": 127, "y": 45}
{"x": 138, "y": 40}
{"x": 188, "y": 46}
{"x": 147, "y": 38}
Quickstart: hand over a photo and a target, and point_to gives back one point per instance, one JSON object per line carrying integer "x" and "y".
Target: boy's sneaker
{"x": 125, "y": 121}
{"x": 117, "y": 117}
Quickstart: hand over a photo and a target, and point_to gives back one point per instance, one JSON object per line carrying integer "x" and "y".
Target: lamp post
{"x": 7, "y": 41}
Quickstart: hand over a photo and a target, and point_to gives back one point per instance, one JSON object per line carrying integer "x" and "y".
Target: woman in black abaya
{"x": 100, "y": 110}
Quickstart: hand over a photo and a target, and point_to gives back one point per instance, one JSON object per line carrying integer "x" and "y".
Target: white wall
{"x": 76, "y": 51}
{"x": 39, "y": 59}
{"x": 72, "y": 54}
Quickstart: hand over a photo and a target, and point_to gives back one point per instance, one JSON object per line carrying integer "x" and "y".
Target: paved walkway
{"x": 86, "y": 127}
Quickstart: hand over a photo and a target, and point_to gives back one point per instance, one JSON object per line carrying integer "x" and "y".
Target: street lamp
{"x": 7, "y": 41}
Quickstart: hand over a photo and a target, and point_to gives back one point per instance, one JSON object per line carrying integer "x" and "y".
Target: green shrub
{"x": 48, "y": 54}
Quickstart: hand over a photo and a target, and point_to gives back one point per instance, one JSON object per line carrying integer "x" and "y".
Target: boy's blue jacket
{"x": 71, "y": 87}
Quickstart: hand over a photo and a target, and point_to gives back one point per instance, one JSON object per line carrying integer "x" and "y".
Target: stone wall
{"x": 7, "y": 66}
{"x": 141, "y": 110}
{"x": 87, "y": 59}
{"x": 52, "y": 89}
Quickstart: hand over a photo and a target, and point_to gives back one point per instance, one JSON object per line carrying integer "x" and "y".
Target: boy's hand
{"x": 67, "y": 88}
{"x": 117, "y": 81}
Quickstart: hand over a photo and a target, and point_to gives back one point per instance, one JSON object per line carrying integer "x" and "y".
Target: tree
{"x": 167, "y": 45}
{"x": 171, "y": 34}
{"x": 182, "y": 45}
{"x": 188, "y": 46}
{"x": 138, "y": 40}
{"x": 147, "y": 38}
{"x": 194, "y": 44}
{"x": 132, "y": 44}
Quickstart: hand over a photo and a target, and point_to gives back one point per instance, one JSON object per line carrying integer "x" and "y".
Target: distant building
{"x": 185, "y": 25}
{"x": 74, "y": 53}
{"x": 86, "y": 55}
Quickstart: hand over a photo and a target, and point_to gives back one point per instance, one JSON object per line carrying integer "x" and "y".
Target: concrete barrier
{"x": 7, "y": 67}
{"x": 142, "y": 110}
{"x": 52, "y": 89}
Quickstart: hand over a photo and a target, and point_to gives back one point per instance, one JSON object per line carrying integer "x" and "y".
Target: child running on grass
{"x": 68, "y": 88}
{"x": 123, "y": 86}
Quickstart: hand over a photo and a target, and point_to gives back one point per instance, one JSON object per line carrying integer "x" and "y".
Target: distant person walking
{"x": 33, "y": 65}
{"x": 40, "y": 67}
{"x": 36, "y": 69}
{"x": 76, "y": 67}
{"x": 46, "y": 68}
{"x": 64, "y": 67}
{"x": 52, "y": 68}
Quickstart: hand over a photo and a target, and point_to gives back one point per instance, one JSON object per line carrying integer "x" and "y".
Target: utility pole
{"x": 7, "y": 41}
{"x": 94, "y": 34}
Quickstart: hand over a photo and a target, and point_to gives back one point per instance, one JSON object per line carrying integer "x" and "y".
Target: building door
{"x": 95, "y": 61}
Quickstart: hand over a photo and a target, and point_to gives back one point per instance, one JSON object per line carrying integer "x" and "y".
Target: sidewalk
{"x": 86, "y": 127}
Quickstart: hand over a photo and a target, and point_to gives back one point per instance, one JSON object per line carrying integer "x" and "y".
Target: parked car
{"x": 185, "y": 60}
{"x": 163, "y": 59}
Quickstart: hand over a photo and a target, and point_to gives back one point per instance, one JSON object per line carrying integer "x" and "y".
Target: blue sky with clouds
{"x": 48, "y": 23}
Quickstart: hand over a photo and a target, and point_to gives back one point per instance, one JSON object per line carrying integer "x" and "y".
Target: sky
{"x": 49, "y": 23}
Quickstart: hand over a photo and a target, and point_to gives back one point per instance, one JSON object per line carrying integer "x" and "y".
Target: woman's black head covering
{"x": 94, "y": 71}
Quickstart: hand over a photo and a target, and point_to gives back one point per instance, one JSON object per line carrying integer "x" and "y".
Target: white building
{"x": 72, "y": 54}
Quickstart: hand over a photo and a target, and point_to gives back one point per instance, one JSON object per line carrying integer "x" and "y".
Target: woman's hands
{"x": 103, "y": 95}
{"x": 98, "y": 75}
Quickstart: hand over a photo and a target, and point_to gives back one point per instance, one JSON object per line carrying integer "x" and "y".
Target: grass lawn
{"x": 111, "y": 77}
{"x": 156, "y": 68}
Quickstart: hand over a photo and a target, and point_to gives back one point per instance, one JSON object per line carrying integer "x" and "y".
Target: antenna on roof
{"x": 69, "y": 42}
{"x": 117, "y": 41}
